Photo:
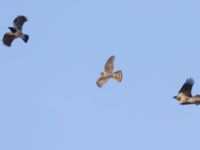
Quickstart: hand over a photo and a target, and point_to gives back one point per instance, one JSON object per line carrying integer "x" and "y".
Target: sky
{"x": 49, "y": 99}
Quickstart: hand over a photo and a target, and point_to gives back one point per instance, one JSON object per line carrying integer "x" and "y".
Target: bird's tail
{"x": 25, "y": 38}
{"x": 117, "y": 75}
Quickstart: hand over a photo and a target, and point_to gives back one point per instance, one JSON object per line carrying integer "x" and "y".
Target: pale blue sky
{"x": 49, "y": 99}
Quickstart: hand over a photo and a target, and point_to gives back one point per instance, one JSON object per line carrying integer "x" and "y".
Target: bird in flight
{"x": 108, "y": 73}
{"x": 16, "y": 31}
{"x": 184, "y": 95}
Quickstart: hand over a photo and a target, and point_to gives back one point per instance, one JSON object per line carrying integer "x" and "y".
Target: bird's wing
{"x": 19, "y": 21}
{"x": 109, "y": 66}
{"x": 8, "y": 38}
{"x": 187, "y": 87}
{"x": 101, "y": 81}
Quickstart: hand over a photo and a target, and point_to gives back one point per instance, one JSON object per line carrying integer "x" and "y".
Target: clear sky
{"x": 49, "y": 99}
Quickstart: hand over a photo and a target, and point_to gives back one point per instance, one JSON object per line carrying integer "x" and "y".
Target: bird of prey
{"x": 16, "y": 31}
{"x": 184, "y": 95}
{"x": 108, "y": 73}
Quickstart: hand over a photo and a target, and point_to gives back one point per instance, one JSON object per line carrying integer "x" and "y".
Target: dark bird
{"x": 184, "y": 95}
{"x": 108, "y": 73}
{"x": 16, "y": 31}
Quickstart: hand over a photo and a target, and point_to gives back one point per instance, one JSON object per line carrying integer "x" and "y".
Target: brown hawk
{"x": 108, "y": 73}
{"x": 16, "y": 31}
{"x": 184, "y": 95}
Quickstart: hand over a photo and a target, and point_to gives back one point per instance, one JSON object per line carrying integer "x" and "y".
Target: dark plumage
{"x": 16, "y": 31}
{"x": 187, "y": 87}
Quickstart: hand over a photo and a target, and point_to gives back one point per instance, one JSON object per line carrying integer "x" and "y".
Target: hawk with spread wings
{"x": 16, "y": 31}
{"x": 185, "y": 96}
{"x": 108, "y": 73}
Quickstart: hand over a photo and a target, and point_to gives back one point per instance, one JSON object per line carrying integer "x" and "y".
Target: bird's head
{"x": 177, "y": 97}
{"x": 13, "y": 30}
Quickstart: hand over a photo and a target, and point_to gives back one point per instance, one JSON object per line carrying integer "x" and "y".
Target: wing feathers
{"x": 8, "y": 38}
{"x": 19, "y": 21}
{"x": 101, "y": 81}
{"x": 109, "y": 66}
{"x": 187, "y": 87}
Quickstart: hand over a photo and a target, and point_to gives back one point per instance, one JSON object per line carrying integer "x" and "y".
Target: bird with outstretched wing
{"x": 185, "y": 96}
{"x": 16, "y": 31}
{"x": 108, "y": 73}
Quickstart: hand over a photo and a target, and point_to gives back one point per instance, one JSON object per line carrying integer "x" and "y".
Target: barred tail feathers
{"x": 117, "y": 75}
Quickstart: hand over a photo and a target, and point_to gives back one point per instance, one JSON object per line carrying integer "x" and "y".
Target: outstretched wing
{"x": 109, "y": 66}
{"x": 187, "y": 87}
{"x": 8, "y": 38}
{"x": 19, "y": 21}
{"x": 101, "y": 81}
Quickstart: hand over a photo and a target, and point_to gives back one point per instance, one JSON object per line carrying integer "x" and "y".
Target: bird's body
{"x": 16, "y": 31}
{"x": 108, "y": 73}
{"x": 185, "y": 96}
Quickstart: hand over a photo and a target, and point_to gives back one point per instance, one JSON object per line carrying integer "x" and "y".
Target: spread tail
{"x": 117, "y": 75}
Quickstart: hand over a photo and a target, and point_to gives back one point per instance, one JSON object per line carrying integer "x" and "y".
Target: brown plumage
{"x": 16, "y": 31}
{"x": 108, "y": 73}
{"x": 8, "y": 38}
{"x": 185, "y": 96}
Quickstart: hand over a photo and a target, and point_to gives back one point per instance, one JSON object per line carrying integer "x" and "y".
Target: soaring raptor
{"x": 108, "y": 73}
{"x": 16, "y": 31}
{"x": 184, "y": 95}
